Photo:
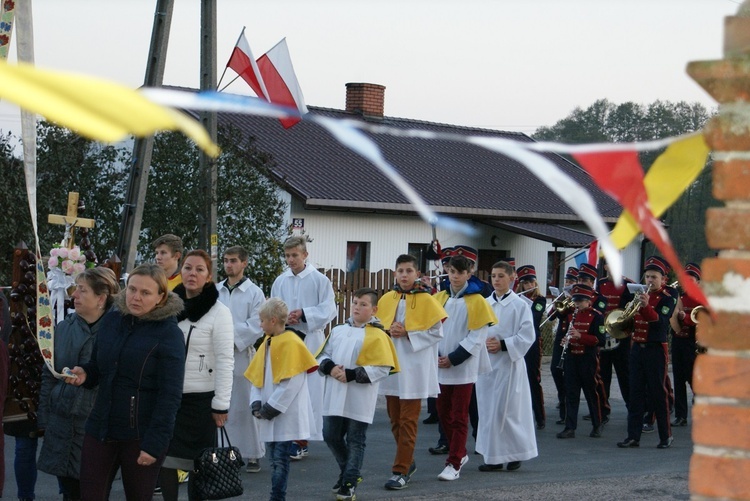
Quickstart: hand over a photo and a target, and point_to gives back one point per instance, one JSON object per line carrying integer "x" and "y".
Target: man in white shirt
{"x": 244, "y": 299}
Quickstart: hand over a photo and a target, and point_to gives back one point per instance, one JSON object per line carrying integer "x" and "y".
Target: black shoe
{"x": 541, "y": 425}
{"x": 628, "y": 442}
{"x": 491, "y": 467}
{"x": 513, "y": 465}
{"x": 665, "y": 444}
{"x": 567, "y": 433}
{"x": 440, "y": 449}
{"x": 648, "y": 428}
{"x": 680, "y": 421}
{"x": 587, "y": 417}
{"x": 596, "y": 432}
{"x": 431, "y": 419}
{"x": 560, "y": 421}
{"x": 605, "y": 420}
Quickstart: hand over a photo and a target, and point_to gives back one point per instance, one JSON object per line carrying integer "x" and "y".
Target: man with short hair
{"x": 244, "y": 299}
{"x": 649, "y": 356}
{"x": 168, "y": 251}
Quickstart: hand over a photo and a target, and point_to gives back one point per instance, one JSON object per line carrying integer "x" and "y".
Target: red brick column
{"x": 720, "y": 465}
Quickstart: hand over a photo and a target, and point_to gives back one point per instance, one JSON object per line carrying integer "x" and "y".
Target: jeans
{"x": 25, "y": 466}
{"x": 346, "y": 439}
{"x": 278, "y": 454}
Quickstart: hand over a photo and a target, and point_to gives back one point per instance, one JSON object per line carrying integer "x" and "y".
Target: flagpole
{"x": 227, "y": 85}
{"x": 227, "y": 65}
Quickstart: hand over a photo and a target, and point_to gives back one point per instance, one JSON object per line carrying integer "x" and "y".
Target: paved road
{"x": 580, "y": 468}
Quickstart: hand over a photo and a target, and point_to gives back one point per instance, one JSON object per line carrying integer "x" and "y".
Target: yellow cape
{"x": 422, "y": 311}
{"x": 289, "y": 357}
{"x": 478, "y": 310}
{"x": 377, "y": 349}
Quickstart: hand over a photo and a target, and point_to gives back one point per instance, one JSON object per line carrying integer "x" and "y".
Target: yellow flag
{"x": 95, "y": 108}
{"x": 668, "y": 178}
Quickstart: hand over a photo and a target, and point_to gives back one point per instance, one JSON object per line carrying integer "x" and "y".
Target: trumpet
{"x": 695, "y": 311}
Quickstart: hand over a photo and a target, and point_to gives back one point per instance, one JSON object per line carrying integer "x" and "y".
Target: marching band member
{"x": 526, "y": 276}
{"x": 581, "y": 362}
{"x": 648, "y": 355}
{"x": 571, "y": 277}
{"x": 683, "y": 348}
{"x": 615, "y": 352}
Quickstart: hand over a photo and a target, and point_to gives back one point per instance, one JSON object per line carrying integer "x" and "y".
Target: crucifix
{"x": 71, "y": 220}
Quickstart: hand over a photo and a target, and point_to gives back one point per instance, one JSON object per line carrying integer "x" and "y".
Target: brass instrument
{"x": 563, "y": 305}
{"x": 619, "y": 322}
{"x": 695, "y": 312}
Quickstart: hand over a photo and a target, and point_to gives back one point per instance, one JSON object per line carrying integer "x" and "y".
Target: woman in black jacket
{"x": 138, "y": 365}
{"x": 63, "y": 408}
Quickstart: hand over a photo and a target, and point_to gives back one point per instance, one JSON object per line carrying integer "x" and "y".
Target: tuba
{"x": 620, "y": 322}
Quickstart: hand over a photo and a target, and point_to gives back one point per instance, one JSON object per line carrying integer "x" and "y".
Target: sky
{"x": 501, "y": 64}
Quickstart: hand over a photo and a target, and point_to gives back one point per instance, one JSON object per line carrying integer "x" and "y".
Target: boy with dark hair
{"x": 413, "y": 318}
{"x": 462, "y": 356}
{"x": 355, "y": 357}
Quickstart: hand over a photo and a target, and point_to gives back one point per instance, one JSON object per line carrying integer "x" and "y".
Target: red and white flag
{"x": 593, "y": 256}
{"x": 271, "y": 77}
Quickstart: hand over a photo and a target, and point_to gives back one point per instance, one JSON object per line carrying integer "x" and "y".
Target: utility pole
{"x": 209, "y": 234}
{"x": 132, "y": 213}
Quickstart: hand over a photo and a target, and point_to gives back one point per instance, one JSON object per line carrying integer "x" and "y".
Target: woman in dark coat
{"x": 63, "y": 408}
{"x": 138, "y": 364}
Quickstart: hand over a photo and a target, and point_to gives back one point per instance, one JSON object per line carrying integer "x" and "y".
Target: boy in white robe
{"x": 414, "y": 320}
{"x": 279, "y": 395}
{"x": 312, "y": 305}
{"x": 355, "y": 357}
{"x": 506, "y": 421}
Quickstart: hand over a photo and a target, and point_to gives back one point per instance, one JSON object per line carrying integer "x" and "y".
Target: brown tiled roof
{"x": 452, "y": 177}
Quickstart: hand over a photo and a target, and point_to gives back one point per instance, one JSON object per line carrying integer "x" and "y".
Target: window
{"x": 419, "y": 251}
{"x": 554, "y": 263}
{"x": 357, "y": 256}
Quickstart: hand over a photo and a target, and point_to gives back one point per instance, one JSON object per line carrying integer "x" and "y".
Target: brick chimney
{"x": 365, "y": 99}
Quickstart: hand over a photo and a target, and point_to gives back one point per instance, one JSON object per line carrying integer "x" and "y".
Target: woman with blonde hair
{"x": 63, "y": 408}
{"x": 138, "y": 365}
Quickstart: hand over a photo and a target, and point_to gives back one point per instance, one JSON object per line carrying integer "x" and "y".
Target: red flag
{"x": 281, "y": 82}
{"x": 271, "y": 77}
{"x": 620, "y": 175}
{"x": 594, "y": 253}
{"x": 243, "y": 63}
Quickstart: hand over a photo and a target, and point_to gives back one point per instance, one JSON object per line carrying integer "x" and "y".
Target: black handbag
{"x": 218, "y": 470}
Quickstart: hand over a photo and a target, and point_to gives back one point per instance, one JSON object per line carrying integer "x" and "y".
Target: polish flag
{"x": 271, "y": 77}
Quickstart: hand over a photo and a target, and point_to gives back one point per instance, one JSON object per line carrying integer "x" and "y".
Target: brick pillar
{"x": 720, "y": 465}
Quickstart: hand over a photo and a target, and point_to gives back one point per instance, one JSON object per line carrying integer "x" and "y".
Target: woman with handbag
{"x": 137, "y": 363}
{"x": 209, "y": 361}
{"x": 63, "y": 408}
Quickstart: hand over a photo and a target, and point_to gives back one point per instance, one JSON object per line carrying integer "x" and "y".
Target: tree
{"x": 250, "y": 210}
{"x": 65, "y": 162}
{"x": 605, "y": 121}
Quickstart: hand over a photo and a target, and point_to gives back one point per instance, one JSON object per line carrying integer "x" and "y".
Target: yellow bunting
{"x": 95, "y": 108}
{"x": 667, "y": 179}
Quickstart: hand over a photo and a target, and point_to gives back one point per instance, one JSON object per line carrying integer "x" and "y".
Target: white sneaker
{"x": 464, "y": 460}
{"x": 449, "y": 473}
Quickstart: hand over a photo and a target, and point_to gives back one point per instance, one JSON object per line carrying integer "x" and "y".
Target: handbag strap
{"x": 224, "y": 434}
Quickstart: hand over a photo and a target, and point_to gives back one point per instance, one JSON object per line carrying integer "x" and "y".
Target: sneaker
{"x": 567, "y": 433}
{"x": 440, "y": 449}
{"x": 464, "y": 460}
{"x": 397, "y": 482}
{"x": 253, "y": 466}
{"x": 157, "y": 491}
{"x": 680, "y": 421}
{"x": 665, "y": 444}
{"x": 337, "y": 485}
{"x": 628, "y": 443}
{"x": 412, "y": 469}
{"x": 346, "y": 493}
{"x": 648, "y": 428}
{"x": 449, "y": 473}
{"x": 297, "y": 452}
{"x": 183, "y": 476}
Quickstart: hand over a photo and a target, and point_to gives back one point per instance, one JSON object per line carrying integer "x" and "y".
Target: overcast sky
{"x": 505, "y": 64}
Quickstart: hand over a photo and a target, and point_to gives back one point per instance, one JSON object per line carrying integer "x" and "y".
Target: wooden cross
{"x": 71, "y": 219}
